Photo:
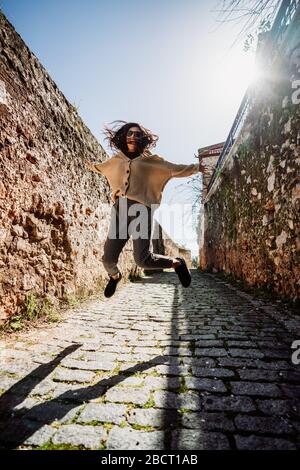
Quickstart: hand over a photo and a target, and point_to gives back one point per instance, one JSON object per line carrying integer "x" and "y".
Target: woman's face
{"x": 133, "y": 137}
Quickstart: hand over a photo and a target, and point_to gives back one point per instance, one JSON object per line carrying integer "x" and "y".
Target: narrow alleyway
{"x": 155, "y": 367}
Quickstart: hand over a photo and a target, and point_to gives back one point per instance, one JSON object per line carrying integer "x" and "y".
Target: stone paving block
{"x": 165, "y": 383}
{"x": 262, "y": 425}
{"x": 131, "y": 382}
{"x": 90, "y": 437}
{"x": 147, "y": 343}
{"x": 166, "y": 399}
{"x": 207, "y": 421}
{"x": 40, "y": 437}
{"x": 177, "y": 351}
{"x": 130, "y": 439}
{"x": 198, "y": 337}
{"x": 263, "y": 443}
{"x": 203, "y": 384}
{"x": 106, "y": 413}
{"x": 290, "y": 377}
{"x": 233, "y": 404}
{"x": 240, "y": 344}
{"x": 20, "y": 369}
{"x": 251, "y": 353}
{"x": 259, "y": 375}
{"x": 190, "y": 401}
{"x": 291, "y": 391}
{"x": 6, "y": 382}
{"x": 88, "y": 365}
{"x": 50, "y": 411}
{"x": 8, "y": 354}
{"x": 174, "y": 344}
{"x": 201, "y": 362}
{"x": 138, "y": 396}
{"x": 72, "y": 392}
{"x": 43, "y": 388}
{"x": 90, "y": 347}
{"x": 146, "y": 350}
{"x": 211, "y": 372}
{"x": 211, "y": 352}
{"x": 24, "y": 406}
{"x": 70, "y": 375}
{"x": 233, "y": 336}
{"x": 254, "y": 388}
{"x": 137, "y": 357}
{"x": 129, "y": 365}
{"x": 153, "y": 417}
{"x": 117, "y": 349}
{"x": 186, "y": 439}
{"x": 95, "y": 356}
{"x": 212, "y": 343}
{"x": 177, "y": 370}
{"x": 276, "y": 353}
{"x": 279, "y": 407}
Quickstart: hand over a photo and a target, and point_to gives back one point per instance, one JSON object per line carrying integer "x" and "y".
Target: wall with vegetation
{"x": 251, "y": 215}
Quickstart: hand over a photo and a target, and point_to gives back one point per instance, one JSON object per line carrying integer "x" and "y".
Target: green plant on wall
{"x": 33, "y": 309}
{"x": 75, "y": 106}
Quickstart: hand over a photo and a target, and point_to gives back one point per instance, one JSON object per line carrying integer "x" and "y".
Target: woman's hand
{"x": 202, "y": 168}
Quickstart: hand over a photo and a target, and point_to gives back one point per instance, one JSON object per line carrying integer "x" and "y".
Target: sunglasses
{"x": 138, "y": 134}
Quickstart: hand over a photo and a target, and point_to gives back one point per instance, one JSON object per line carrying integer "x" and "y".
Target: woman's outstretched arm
{"x": 180, "y": 171}
{"x": 97, "y": 167}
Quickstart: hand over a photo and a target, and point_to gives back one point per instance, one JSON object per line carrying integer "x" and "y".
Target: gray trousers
{"x": 130, "y": 218}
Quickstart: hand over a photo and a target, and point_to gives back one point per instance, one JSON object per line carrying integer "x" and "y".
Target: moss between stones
{"x": 150, "y": 403}
{"x": 106, "y": 425}
{"x": 184, "y": 411}
{"x": 123, "y": 424}
{"x": 138, "y": 427}
{"x": 183, "y": 388}
{"x": 50, "y": 446}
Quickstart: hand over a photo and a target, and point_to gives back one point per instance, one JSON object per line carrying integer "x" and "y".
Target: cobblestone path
{"x": 155, "y": 367}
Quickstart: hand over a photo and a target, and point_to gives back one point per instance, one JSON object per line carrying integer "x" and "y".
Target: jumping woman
{"x": 137, "y": 178}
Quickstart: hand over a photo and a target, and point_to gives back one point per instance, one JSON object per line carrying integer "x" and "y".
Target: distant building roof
{"x": 211, "y": 150}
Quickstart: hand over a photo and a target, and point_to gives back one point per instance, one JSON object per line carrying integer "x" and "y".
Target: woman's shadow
{"x": 16, "y": 427}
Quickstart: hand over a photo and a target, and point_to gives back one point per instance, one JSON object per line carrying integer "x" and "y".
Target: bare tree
{"x": 193, "y": 191}
{"x": 253, "y": 16}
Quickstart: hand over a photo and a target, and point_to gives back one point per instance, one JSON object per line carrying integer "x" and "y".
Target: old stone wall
{"x": 251, "y": 214}
{"x": 54, "y": 213}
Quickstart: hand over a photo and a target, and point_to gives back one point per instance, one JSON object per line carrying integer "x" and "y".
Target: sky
{"x": 167, "y": 64}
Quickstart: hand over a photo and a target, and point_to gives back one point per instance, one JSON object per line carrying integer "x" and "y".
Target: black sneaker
{"x": 111, "y": 286}
{"x": 183, "y": 273}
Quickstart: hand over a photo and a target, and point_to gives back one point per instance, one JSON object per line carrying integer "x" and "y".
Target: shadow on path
{"x": 16, "y": 426}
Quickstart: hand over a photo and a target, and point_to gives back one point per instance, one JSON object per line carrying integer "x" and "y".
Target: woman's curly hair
{"x": 116, "y": 136}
